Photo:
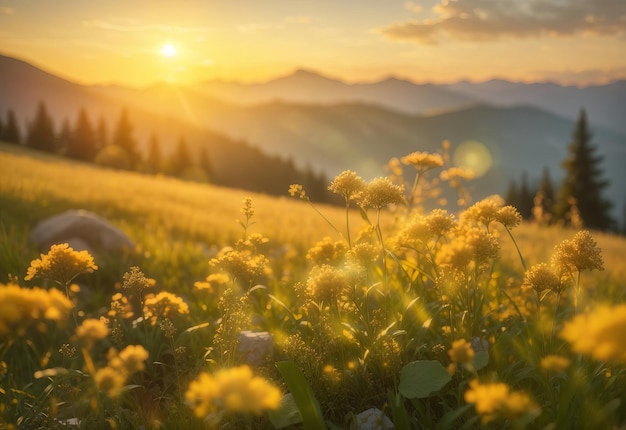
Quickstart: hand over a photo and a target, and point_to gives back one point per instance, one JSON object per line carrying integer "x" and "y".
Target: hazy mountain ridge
{"x": 606, "y": 103}
{"x": 334, "y": 136}
{"x": 308, "y": 87}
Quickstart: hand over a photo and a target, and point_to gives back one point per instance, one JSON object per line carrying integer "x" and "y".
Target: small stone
{"x": 256, "y": 348}
{"x": 373, "y": 419}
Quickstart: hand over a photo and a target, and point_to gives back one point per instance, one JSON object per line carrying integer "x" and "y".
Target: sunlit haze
{"x": 168, "y": 50}
{"x": 566, "y": 41}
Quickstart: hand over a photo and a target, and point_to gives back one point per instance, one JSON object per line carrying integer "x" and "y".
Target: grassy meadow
{"x": 380, "y": 317}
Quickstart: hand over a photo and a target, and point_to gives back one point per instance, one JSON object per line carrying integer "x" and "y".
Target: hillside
{"x": 330, "y": 137}
{"x": 234, "y": 162}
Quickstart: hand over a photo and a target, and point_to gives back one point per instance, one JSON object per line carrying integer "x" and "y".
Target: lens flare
{"x": 168, "y": 50}
{"x": 474, "y": 156}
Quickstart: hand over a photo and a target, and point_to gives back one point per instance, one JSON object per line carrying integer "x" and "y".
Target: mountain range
{"x": 329, "y": 125}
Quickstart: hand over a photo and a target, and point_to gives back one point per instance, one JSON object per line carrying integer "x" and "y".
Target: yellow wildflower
{"x": 136, "y": 281}
{"x": 212, "y": 282}
{"x": 92, "y": 330}
{"x": 327, "y": 251}
{"x": 423, "y": 161}
{"x": 578, "y": 254}
{"x": 110, "y": 381}
{"x": 422, "y": 228}
{"x": 25, "y": 308}
{"x": 231, "y": 390}
{"x": 296, "y": 190}
{"x": 496, "y": 401}
{"x": 381, "y": 192}
{"x": 484, "y": 211}
{"x": 240, "y": 264}
{"x": 540, "y": 277}
{"x": 363, "y": 254}
{"x": 347, "y": 184}
{"x": 508, "y": 216}
{"x": 120, "y": 307}
{"x": 600, "y": 333}
{"x": 164, "y": 305}
{"x": 471, "y": 248}
{"x": 461, "y": 352}
{"x": 129, "y": 360}
{"x": 455, "y": 174}
{"x": 326, "y": 283}
{"x": 247, "y": 209}
{"x": 61, "y": 264}
{"x": 555, "y": 363}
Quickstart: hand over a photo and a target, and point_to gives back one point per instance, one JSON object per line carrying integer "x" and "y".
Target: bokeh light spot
{"x": 473, "y": 155}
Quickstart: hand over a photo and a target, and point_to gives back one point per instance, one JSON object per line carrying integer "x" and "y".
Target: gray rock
{"x": 82, "y": 230}
{"x": 256, "y": 348}
{"x": 373, "y": 419}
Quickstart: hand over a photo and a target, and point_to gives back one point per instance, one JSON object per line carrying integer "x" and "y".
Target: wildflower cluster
{"x": 413, "y": 321}
{"x": 600, "y": 333}
{"x": 61, "y": 264}
{"x": 24, "y": 309}
{"x": 229, "y": 391}
{"x": 496, "y": 401}
{"x": 164, "y": 305}
{"x": 112, "y": 378}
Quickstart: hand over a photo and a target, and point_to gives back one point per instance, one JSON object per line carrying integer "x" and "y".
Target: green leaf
{"x": 448, "y": 421}
{"x": 422, "y": 378}
{"x": 287, "y": 413}
{"x": 481, "y": 359}
{"x": 303, "y": 396}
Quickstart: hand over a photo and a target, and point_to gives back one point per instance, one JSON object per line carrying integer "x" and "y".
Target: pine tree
{"x": 65, "y": 135}
{"x": 10, "y": 131}
{"x": 101, "y": 134}
{"x": 155, "y": 159}
{"x": 205, "y": 163}
{"x": 123, "y": 138}
{"x": 82, "y": 144}
{"x": 583, "y": 183}
{"x": 181, "y": 159}
{"x": 41, "y": 131}
{"x": 512, "y": 194}
{"x": 525, "y": 204}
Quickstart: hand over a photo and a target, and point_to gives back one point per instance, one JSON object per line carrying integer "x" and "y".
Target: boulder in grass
{"x": 256, "y": 348}
{"x": 373, "y": 419}
{"x": 82, "y": 230}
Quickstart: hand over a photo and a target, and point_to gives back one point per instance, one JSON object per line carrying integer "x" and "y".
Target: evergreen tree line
{"x": 578, "y": 201}
{"x": 247, "y": 167}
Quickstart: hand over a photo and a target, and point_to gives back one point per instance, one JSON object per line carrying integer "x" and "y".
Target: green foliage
{"x": 422, "y": 378}
{"x": 10, "y": 130}
{"x": 123, "y": 138}
{"x": 583, "y": 185}
{"x": 417, "y": 315}
{"x": 41, "y": 133}
{"x": 82, "y": 142}
{"x": 303, "y": 396}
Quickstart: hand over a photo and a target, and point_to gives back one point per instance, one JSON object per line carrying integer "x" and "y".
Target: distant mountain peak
{"x": 307, "y": 74}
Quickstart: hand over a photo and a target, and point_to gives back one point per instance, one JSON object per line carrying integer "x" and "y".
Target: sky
{"x": 572, "y": 42}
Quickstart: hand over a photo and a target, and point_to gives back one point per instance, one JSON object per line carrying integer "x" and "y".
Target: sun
{"x": 168, "y": 50}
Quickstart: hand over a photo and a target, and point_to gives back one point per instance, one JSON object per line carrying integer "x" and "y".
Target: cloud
{"x": 581, "y": 77}
{"x": 7, "y": 10}
{"x": 133, "y": 26}
{"x": 478, "y": 20}
{"x": 413, "y": 7}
